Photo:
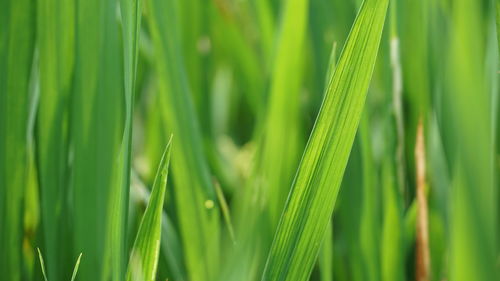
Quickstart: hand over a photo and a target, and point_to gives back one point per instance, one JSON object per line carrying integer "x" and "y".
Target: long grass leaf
{"x": 314, "y": 191}
{"x": 16, "y": 54}
{"x": 55, "y": 35}
{"x": 281, "y": 155}
{"x": 118, "y": 204}
{"x": 144, "y": 256}
{"x": 97, "y": 127}
{"x": 198, "y": 215}
{"x": 469, "y": 138}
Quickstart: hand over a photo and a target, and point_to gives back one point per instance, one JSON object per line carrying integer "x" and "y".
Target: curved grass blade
{"x": 144, "y": 255}
{"x": 312, "y": 198}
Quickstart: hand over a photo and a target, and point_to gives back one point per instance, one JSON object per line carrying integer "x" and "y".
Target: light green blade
{"x": 144, "y": 255}
{"x": 75, "y": 269}
{"x": 469, "y": 139}
{"x": 198, "y": 215}
{"x": 42, "y": 264}
{"x": 314, "y": 191}
{"x": 55, "y": 27}
{"x": 392, "y": 257}
{"x": 280, "y": 155}
{"x": 326, "y": 252}
{"x": 17, "y": 19}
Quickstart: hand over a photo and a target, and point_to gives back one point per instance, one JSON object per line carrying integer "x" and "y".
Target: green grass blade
{"x": 314, "y": 191}
{"x": 55, "y": 28}
{"x": 497, "y": 4}
{"x": 97, "y": 116}
{"x": 326, "y": 252}
{"x": 144, "y": 255}
{"x": 469, "y": 139}
{"x": 198, "y": 216}
{"x": 326, "y": 255}
{"x": 42, "y": 264}
{"x": 16, "y": 53}
{"x": 118, "y": 201}
{"x": 75, "y": 269}
{"x": 369, "y": 228}
{"x": 281, "y": 155}
{"x": 392, "y": 257}
{"x": 170, "y": 253}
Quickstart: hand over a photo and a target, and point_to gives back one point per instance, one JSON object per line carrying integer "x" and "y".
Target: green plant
{"x": 314, "y": 140}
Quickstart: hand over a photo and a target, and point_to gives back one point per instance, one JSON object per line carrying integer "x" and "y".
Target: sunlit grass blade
{"x": 314, "y": 191}
{"x": 280, "y": 155}
{"x": 17, "y": 19}
{"x": 75, "y": 269}
{"x": 171, "y": 257}
{"x": 277, "y": 157}
{"x": 198, "y": 215}
{"x": 144, "y": 255}
{"x": 326, "y": 252}
{"x": 326, "y": 255}
{"x": 42, "y": 264}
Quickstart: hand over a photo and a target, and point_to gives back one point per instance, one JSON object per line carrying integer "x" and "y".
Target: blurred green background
{"x": 87, "y": 98}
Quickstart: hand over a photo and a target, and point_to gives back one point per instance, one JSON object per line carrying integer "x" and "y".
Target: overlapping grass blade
{"x": 119, "y": 192}
{"x": 97, "y": 127}
{"x": 369, "y": 227}
{"x": 259, "y": 204}
{"x": 314, "y": 191}
{"x": 326, "y": 252}
{"x": 55, "y": 37}
{"x": 280, "y": 155}
{"x": 198, "y": 215}
{"x": 146, "y": 248}
{"x": 16, "y": 53}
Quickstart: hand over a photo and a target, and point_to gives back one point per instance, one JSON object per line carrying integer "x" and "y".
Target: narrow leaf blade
{"x": 314, "y": 191}
{"x": 144, "y": 256}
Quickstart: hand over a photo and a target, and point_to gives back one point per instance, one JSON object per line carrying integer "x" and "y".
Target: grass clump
{"x": 374, "y": 159}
